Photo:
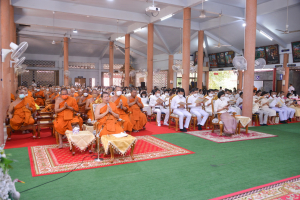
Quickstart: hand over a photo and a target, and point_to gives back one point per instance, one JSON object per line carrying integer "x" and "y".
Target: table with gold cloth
{"x": 120, "y": 145}
{"x": 242, "y": 121}
{"x": 82, "y": 140}
{"x": 88, "y": 128}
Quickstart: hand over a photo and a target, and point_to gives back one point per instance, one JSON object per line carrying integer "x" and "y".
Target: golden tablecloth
{"x": 243, "y": 120}
{"x": 121, "y": 145}
{"x": 81, "y": 140}
{"x": 88, "y": 128}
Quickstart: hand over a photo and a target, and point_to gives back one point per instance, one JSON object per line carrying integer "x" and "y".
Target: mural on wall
{"x": 222, "y": 59}
{"x": 260, "y": 52}
{"x": 272, "y": 53}
{"x": 196, "y": 57}
{"x": 296, "y": 51}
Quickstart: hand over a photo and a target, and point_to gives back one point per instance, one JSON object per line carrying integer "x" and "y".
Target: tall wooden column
{"x": 150, "y": 58}
{"x": 207, "y": 80}
{"x": 111, "y": 63}
{"x": 66, "y": 60}
{"x": 274, "y": 79}
{"x": 240, "y": 80}
{"x": 13, "y": 38}
{"x": 286, "y": 75}
{"x": 171, "y": 72}
{"x": 200, "y": 59}
{"x": 127, "y": 59}
{"x": 250, "y": 37}
{"x": 186, "y": 49}
{"x": 5, "y": 39}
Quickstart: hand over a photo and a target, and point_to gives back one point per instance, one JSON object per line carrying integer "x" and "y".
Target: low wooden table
{"x": 83, "y": 140}
{"x": 242, "y": 122}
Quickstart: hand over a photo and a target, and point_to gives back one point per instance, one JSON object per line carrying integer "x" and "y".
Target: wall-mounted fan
{"x": 240, "y": 63}
{"x": 176, "y": 68}
{"x": 17, "y": 51}
{"x": 193, "y": 69}
{"x": 144, "y": 72}
{"x": 286, "y": 31}
{"x": 19, "y": 68}
{"x": 260, "y": 63}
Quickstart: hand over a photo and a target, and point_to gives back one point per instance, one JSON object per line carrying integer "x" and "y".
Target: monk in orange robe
{"x": 137, "y": 118}
{"x": 107, "y": 117}
{"x": 83, "y": 99}
{"x": 89, "y": 103}
{"x": 20, "y": 111}
{"x": 65, "y": 106}
{"x": 122, "y": 106}
{"x": 40, "y": 97}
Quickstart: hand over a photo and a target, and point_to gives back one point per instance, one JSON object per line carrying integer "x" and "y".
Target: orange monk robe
{"x": 127, "y": 125}
{"x": 137, "y": 118}
{"x": 21, "y": 116}
{"x": 56, "y": 96}
{"x": 76, "y": 94}
{"x": 30, "y": 102}
{"x": 82, "y": 108}
{"x": 52, "y": 95}
{"x": 40, "y": 101}
{"x": 89, "y": 112}
{"x": 66, "y": 117}
{"x": 109, "y": 122}
{"x": 29, "y": 93}
{"x": 12, "y": 97}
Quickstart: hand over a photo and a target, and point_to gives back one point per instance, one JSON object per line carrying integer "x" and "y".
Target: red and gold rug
{"x": 48, "y": 159}
{"x": 286, "y": 189}
{"x": 215, "y": 137}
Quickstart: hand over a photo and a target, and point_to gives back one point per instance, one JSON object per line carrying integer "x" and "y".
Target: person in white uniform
{"x": 196, "y": 108}
{"x": 208, "y": 107}
{"x": 291, "y": 88}
{"x": 263, "y": 115}
{"x": 158, "y": 108}
{"x": 180, "y": 110}
{"x": 275, "y": 105}
{"x": 290, "y": 111}
{"x": 239, "y": 101}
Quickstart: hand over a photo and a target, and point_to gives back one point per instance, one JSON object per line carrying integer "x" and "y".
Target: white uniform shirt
{"x": 176, "y": 100}
{"x": 238, "y": 101}
{"x": 273, "y": 104}
{"x": 192, "y": 100}
{"x": 220, "y": 104}
{"x": 153, "y": 102}
{"x": 208, "y": 108}
{"x": 291, "y": 88}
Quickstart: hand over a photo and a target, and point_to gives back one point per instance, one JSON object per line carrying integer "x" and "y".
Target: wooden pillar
{"x": 5, "y": 39}
{"x": 240, "y": 80}
{"x": 207, "y": 80}
{"x": 13, "y": 38}
{"x": 66, "y": 60}
{"x": 250, "y": 37}
{"x": 274, "y": 79}
{"x": 111, "y": 63}
{"x": 200, "y": 59}
{"x": 2, "y": 114}
{"x": 286, "y": 75}
{"x": 150, "y": 58}
{"x": 171, "y": 72}
{"x": 186, "y": 49}
{"x": 127, "y": 59}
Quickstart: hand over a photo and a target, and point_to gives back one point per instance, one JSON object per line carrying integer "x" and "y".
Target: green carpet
{"x": 214, "y": 170}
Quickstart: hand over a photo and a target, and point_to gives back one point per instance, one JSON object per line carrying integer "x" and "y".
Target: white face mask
{"x": 226, "y": 95}
{"x": 195, "y": 95}
{"x": 119, "y": 93}
{"x": 167, "y": 94}
{"x": 157, "y": 95}
{"x": 85, "y": 94}
{"x": 282, "y": 96}
{"x": 47, "y": 89}
{"x": 180, "y": 95}
{"x": 38, "y": 90}
{"x": 210, "y": 94}
{"x": 274, "y": 95}
{"x": 223, "y": 98}
{"x": 144, "y": 96}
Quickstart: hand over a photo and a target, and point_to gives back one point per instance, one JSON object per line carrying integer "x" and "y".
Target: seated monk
{"x": 122, "y": 106}
{"x": 137, "y": 118}
{"x": 64, "y": 108}
{"x": 83, "y": 99}
{"x": 40, "y": 97}
{"x": 107, "y": 115}
{"x": 20, "y": 111}
{"x": 89, "y": 103}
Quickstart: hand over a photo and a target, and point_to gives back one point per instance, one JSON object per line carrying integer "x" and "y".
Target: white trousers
{"x": 199, "y": 113}
{"x": 183, "y": 113}
{"x": 290, "y": 111}
{"x": 263, "y": 116}
{"x": 158, "y": 115}
{"x": 282, "y": 113}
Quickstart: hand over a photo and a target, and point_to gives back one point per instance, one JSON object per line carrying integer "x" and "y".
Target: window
{"x": 39, "y": 63}
{"x": 81, "y": 65}
{"x": 116, "y": 66}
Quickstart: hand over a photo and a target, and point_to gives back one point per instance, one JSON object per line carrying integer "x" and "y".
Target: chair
{"x": 173, "y": 116}
{"x": 255, "y": 118}
{"x": 210, "y": 117}
{"x": 194, "y": 117}
{"x": 23, "y": 128}
{"x": 45, "y": 120}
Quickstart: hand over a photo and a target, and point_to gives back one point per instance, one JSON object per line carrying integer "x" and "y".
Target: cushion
{"x": 193, "y": 115}
{"x": 174, "y": 115}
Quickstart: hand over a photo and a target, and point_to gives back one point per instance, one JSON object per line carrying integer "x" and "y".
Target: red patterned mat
{"x": 215, "y": 137}
{"x": 286, "y": 189}
{"x": 48, "y": 159}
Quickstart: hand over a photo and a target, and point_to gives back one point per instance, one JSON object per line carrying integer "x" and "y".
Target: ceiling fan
{"x": 219, "y": 45}
{"x": 203, "y": 13}
{"x": 286, "y": 31}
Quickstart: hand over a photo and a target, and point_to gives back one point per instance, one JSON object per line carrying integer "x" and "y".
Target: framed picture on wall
{"x": 272, "y": 54}
{"x": 221, "y": 59}
{"x": 296, "y": 51}
{"x": 260, "y": 52}
{"x": 196, "y": 57}
{"x": 229, "y": 55}
{"x": 213, "y": 60}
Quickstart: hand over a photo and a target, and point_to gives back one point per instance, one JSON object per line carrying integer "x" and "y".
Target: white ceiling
{"x": 95, "y": 29}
